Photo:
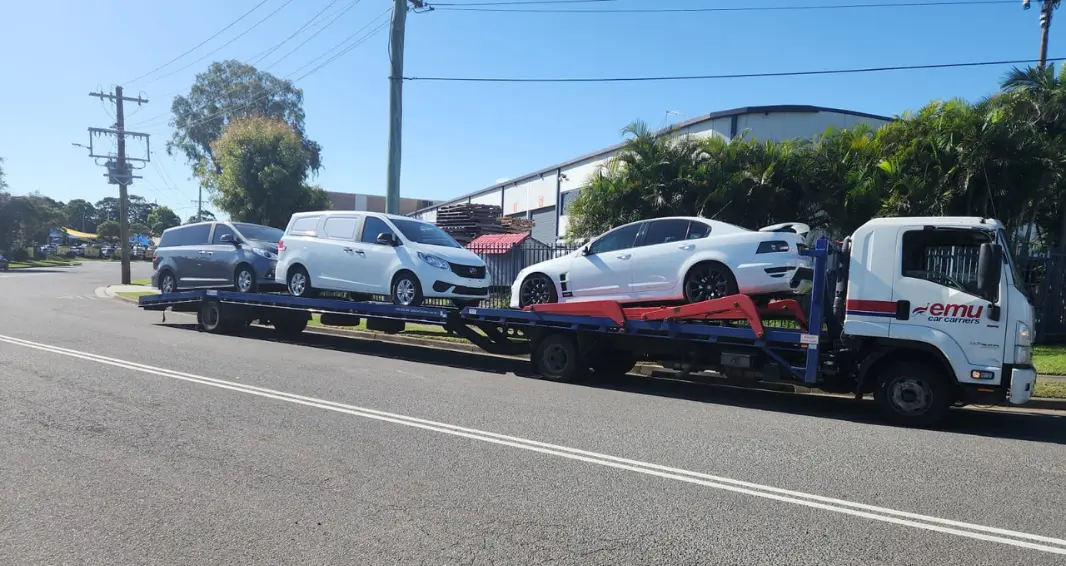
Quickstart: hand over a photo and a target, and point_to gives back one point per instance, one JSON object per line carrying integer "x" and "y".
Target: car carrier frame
{"x": 732, "y": 335}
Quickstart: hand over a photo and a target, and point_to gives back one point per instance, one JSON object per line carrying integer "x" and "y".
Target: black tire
{"x": 290, "y": 326}
{"x": 167, "y": 283}
{"x": 299, "y": 282}
{"x": 537, "y": 289}
{"x": 709, "y": 280}
{"x": 613, "y": 364}
{"x": 407, "y": 290}
{"x": 244, "y": 280}
{"x": 913, "y": 394}
{"x": 211, "y": 318}
{"x": 557, "y": 358}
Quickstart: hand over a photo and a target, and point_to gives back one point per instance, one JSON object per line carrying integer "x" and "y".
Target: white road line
{"x": 903, "y": 518}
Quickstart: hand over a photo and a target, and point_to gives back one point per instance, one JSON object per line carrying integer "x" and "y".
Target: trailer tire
{"x": 211, "y": 319}
{"x": 613, "y": 364}
{"x": 912, "y": 394}
{"x": 290, "y": 327}
{"x": 556, "y": 358}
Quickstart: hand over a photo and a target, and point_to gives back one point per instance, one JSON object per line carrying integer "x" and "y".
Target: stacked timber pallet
{"x": 516, "y": 225}
{"x": 464, "y": 222}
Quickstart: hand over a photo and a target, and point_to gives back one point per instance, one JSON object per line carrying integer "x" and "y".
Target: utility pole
{"x": 119, "y": 170}
{"x": 399, "y": 23}
{"x": 1047, "y": 7}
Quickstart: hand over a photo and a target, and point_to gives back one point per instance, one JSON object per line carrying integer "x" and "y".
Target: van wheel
{"x": 912, "y": 394}
{"x": 709, "y": 280}
{"x": 244, "y": 279}
{"x": 167, "y": 283}
{"x": 407, "y": 290}
{"x": 300, "y": 283}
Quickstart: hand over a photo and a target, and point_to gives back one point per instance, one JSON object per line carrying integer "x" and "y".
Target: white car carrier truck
{"x": 923, "y": 313}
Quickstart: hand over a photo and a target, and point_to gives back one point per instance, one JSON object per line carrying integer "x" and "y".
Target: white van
{"x": 370, "y": 253}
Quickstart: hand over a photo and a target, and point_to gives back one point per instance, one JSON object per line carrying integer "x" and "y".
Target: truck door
{"x": 937, "y": 275}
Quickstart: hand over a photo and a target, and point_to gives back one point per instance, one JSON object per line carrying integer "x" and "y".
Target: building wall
{"x": 376, "y": 203}
{"x": 534, "y": 195}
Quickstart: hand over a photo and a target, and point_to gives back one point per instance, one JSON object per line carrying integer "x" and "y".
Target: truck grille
{"x": 471, "y": 271}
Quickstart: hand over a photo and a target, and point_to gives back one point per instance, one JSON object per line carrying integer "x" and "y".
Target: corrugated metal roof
{"x": 494, "y": 244}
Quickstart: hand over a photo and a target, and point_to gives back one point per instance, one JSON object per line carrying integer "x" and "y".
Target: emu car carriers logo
{"x": 951, "y": 313}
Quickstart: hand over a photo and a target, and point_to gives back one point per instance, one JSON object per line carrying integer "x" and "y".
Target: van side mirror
{"x": 587, "y": 250}
{"x": 388, "y": 239}
{"x": 228, "y": 239}
{"x": 989, "y": 269}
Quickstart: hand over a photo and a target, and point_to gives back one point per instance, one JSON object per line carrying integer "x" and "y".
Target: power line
{"x": 267, "y": 53}
{"x": 522, "y": 2}
{"x": 728, "y": 76}
{"x": 484, "y": 7}
{"x": 220, "y": 47}
{"x": 314, "y": 35}
{"x": 201, "y": 44}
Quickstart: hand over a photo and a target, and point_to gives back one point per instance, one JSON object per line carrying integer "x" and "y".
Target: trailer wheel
{"x": 613, "y": 363}
{"x": 211, "y": 319}
{"x": 912, "y": 394}
{"x": 556, "y": 358}
{"x": 290, "y": 326}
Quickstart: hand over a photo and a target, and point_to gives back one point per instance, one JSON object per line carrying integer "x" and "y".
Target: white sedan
{"x": 673, "y": 259}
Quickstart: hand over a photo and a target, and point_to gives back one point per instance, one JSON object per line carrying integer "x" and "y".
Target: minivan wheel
{"x": 167, "y": 283}
{"x": 244, "y": 279}
{"x": 300, "y": 283}
{"x": 407, "y": 290}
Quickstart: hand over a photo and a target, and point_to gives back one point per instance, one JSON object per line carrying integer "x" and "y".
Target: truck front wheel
{"x": 912, "y": 394}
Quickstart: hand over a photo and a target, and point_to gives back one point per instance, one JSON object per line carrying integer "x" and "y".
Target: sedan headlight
{"x": 265, "y": 253}
{"x": 433, "y": 260}
{"x": 772, "y": 247}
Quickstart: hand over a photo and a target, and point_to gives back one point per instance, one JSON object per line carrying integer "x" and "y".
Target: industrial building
{"x": 545, "y": 195}
{"x": 375, "y": 203}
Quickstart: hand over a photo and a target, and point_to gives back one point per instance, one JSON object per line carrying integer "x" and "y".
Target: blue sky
{"x": 459, "y": 137}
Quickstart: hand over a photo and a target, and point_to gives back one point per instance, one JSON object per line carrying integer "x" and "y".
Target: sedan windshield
{"x": 424, "y": 233}
{"x": 259, "y": 233}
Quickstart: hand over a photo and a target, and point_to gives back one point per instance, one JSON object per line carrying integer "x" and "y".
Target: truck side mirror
{"x": 989, "y": 269}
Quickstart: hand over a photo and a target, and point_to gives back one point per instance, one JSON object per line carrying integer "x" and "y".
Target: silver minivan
{"x": 217, "y": 254}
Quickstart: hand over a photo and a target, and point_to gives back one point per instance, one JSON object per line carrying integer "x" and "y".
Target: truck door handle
{"x": 624, "y": 256}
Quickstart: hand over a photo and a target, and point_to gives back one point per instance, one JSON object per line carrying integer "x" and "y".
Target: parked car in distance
{"x": 4, "y": 265}
{"x": 369, "y": 253}
{"x": 687, "y": 259}
{"x": 216, "y": 254}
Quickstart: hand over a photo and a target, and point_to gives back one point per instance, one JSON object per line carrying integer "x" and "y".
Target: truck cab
{"x": 936, "y": 314}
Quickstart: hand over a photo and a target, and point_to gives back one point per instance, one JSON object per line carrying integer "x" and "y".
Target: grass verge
{"x": 134, "y": 294}
{"x": 144, "y": 282}
{"x": 412, "y": 330}
{"x": 1049, "y": 390}
{"x": 42, "y": 263}
{"x": 1050, "y": 360}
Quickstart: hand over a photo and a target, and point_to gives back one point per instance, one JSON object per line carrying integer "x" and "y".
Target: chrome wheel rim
{"x": 298, "y": 284}
{"x": 405, "y": 291}
{"x": 536, "y": 291}
{"x": 244, "y": 281}
{"x": 168, "y": 285}
{"x": 911, "y": 396}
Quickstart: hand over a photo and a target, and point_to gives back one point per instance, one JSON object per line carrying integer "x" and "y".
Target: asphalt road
{"x": 127, "y": 441}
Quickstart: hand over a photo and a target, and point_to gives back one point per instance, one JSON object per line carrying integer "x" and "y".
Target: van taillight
{"x": 281, "y": 246}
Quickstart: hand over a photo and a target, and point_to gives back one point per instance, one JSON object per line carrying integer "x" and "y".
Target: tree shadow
{"x": 1005, "y": 423}
{"x": 36, "y": 270}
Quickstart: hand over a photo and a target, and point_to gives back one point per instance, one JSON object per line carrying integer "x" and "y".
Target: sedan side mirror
{"x": 989, "y": 269}
{"x": 388, "y": 239}
{"x": 229, "y": 239}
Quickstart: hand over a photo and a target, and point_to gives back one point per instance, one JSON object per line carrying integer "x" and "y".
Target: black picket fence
{"x": 1044, "y": 277}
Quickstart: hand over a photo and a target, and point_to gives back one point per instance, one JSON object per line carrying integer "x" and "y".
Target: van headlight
{"x": 1023, "y": 349}
{"x": 433, "y": 260}
{"x": 264, "y": 253}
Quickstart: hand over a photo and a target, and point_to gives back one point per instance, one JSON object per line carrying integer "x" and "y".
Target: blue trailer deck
{"x": 584, "y": 331}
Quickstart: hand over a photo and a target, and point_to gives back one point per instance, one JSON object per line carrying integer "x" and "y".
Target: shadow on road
{"x": 1016, "y": 425}
{"x": 36, "y": 270}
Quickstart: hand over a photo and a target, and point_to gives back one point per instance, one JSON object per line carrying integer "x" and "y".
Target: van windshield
{"x": 424, "y": 233}
{"x": 259, "y": 233}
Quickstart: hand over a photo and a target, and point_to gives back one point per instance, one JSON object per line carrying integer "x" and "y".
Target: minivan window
{"x": 306, "y": 224}
{"x": 373, "y": 226}
{"x": 220, "y": 229}
{"x": 258, "y": 233}
{"x": 195, "y": 235}
{"x": 424, "y": 233}
{"x": 340, "y": 227}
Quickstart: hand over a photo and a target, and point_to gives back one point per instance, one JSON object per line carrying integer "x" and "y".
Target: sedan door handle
{"x": 625, "y": 256}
